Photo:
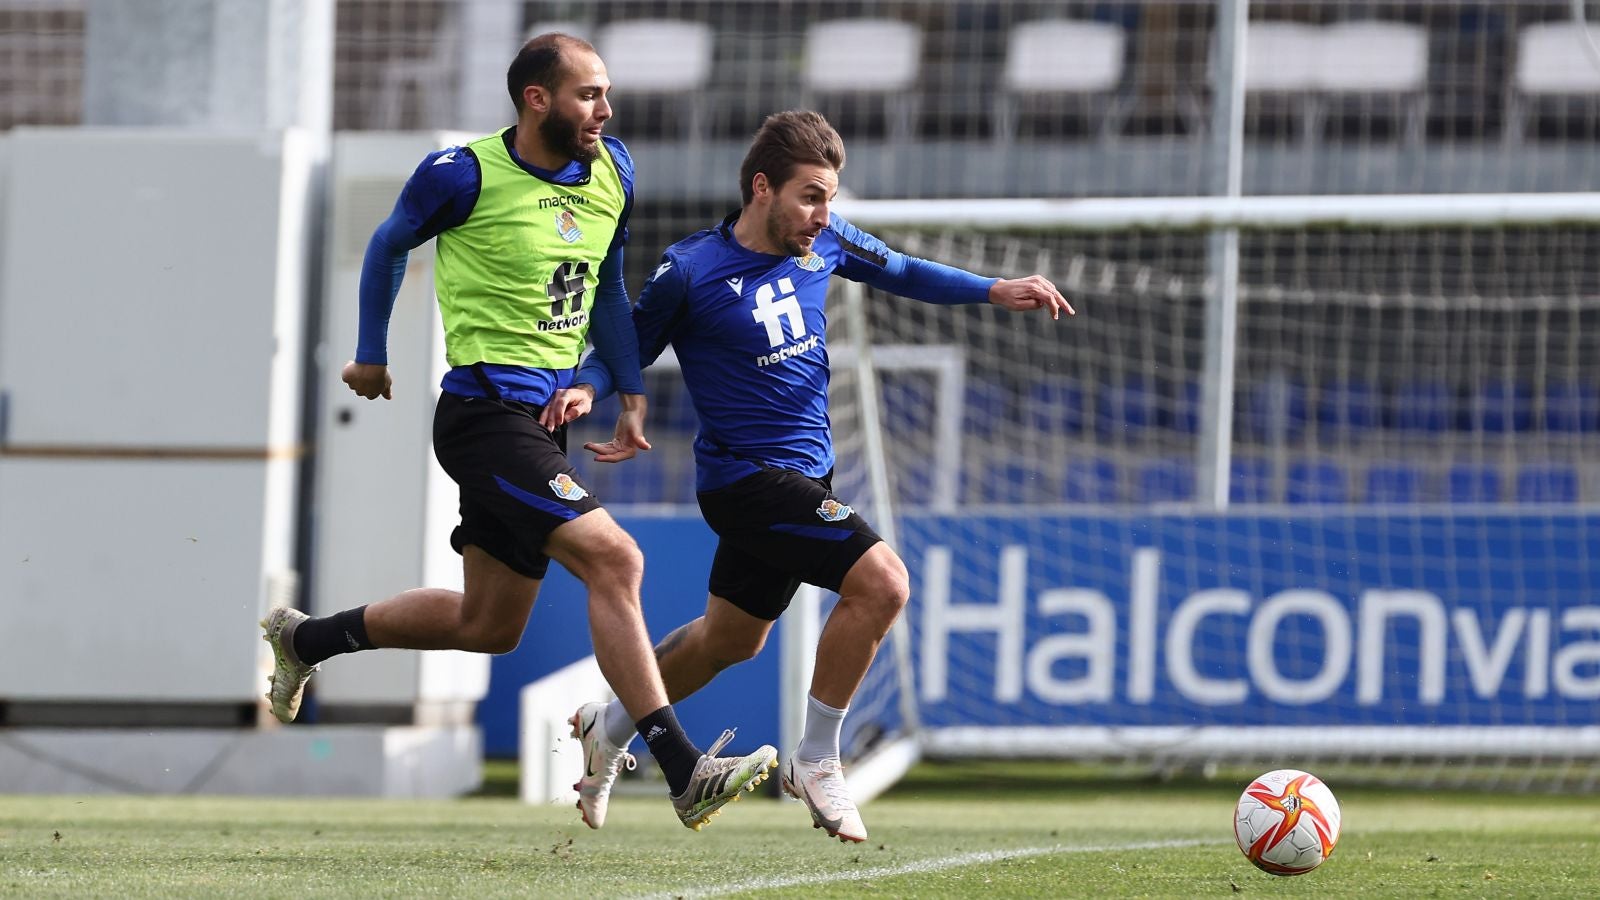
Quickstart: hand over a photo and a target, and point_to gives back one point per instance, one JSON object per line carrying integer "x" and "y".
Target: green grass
{"x": 1079, "y": 823}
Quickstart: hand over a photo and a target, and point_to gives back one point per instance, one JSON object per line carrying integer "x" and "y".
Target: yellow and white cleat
{"x": 718, "y": 780}
{"x": 289, "y": 674}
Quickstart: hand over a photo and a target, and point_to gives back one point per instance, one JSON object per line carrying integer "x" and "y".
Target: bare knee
{"x": 878, "y": 588}
{"x": 611, "y": 565}
{"x": 724, "y": 650}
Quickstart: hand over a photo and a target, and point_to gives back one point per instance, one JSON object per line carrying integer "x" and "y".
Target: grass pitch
{"x": 990, "y": 830}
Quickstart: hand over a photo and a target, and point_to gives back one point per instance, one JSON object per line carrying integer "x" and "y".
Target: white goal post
{"x": 1084, "y": 607}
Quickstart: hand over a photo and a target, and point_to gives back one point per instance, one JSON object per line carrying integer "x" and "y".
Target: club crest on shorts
{"x": 810, "y": 262}
{"x": 567, "y": 489}
{"x": 567, "y": 227}
{"x": 833, "y": 511}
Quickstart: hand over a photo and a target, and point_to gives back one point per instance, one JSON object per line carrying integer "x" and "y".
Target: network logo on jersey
{"x": 566, "y": 488}
{"x": 567, "y": 227}
{"x": 832, "y": 510}
{"x": 810, "y": 262}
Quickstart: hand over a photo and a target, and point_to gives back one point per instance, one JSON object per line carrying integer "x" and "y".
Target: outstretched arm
{"x": 870, "y": 261}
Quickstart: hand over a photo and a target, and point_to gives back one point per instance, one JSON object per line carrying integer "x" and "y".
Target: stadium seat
{"x": 865, "y": 58}
{"x": 1006, "y": 482}
{"x": 1184, "y": 416}
{"x": 1572, "y": 406}
{"x": 1547, "y": 483}
{"x": 1393, "y": 483}
{"x": 1125, "y": 409}
{"x": 1249, "y": 480}
{"x": 427, "y": 79}
{"x": 1165, "y": 481}
{"x": 1091, "y": 480}
{"x": 1424, "y": 405}
{"x": 664, "y": 62}
{"x": 1552, "y": 65}
{"x": 1298, "y": 69}
{"x": 1034, "y": 81}
{"x": 988, "y": 403}
{"x": 1274, "y": 411}
{"x": 1502, "y": 406}
{"x": 908, "y": 406}
{"x": 1474, "y": 483}
{"x": 1348, "y": 409}
{"x": 1056, "y": 406}
{"x": 1316, "y": 481}
{"x": 1369, "y": 62}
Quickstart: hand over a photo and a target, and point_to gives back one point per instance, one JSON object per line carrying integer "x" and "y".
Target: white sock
{"x": 619, "y": 725}
{"x": 821, "y": 739}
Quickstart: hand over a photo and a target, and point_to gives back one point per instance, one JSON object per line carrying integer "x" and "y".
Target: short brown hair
{"x": 543, "y": 60}
{"x": 786, "y": 140}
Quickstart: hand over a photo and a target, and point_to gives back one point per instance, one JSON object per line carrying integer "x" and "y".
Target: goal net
{"x": 1406, "y": 566}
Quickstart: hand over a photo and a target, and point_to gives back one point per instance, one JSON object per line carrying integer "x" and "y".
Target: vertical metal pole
{"x": 1222, "y": 254}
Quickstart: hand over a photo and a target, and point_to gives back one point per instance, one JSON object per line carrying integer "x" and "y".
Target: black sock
{"x": 316, "y": 639}
{"x": 670, "y": 746}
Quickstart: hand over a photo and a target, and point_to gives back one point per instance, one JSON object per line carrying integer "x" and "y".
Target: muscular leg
{"x": 488, "y": 618}
{"x": 605, "y": 558}
{"x": 693, "y": 654}
{"x": 874, "y": 591}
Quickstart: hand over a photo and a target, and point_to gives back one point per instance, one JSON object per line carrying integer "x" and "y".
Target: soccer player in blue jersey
{"x": 530, "y": 224}
{"x": 742, "y": 306}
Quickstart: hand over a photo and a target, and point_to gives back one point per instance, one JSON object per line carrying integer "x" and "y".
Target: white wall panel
{"x": 384, "y": 507}
{"x": 153, "y": 288}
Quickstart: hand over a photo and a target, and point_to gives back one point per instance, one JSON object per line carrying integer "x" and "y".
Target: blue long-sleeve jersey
{"x": 440, "y": 195}
{"x": 749, "y": 330}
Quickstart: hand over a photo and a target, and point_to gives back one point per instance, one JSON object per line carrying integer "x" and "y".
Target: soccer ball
{"x": 1286, "y": 822}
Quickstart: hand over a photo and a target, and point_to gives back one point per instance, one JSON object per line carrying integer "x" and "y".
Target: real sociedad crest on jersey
{"x": 566, "y": 488}
{"x": 833, "y": 511}
{"x": 810, "y": 262}
{"x": 567, "y": 227}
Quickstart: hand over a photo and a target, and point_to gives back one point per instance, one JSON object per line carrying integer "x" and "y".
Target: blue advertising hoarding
{"x": 1268, "y": 618}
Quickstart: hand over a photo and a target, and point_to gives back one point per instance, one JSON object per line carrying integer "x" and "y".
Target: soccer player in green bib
{"x": 529, "y": 225}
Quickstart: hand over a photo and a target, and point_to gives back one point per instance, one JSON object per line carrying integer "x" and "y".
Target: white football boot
{"x": 821, "y": 787}
{"x": 602, "y": 763}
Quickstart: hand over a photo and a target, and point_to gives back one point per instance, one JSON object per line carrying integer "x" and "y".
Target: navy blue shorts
{"x": 777, "y": 529}
{"x": 516, "y": 483}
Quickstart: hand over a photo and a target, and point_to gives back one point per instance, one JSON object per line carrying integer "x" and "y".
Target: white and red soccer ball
{"x": 1286, "y": 822}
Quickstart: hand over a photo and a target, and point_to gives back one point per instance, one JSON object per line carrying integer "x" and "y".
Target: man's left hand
{"x": 567, "y": 405}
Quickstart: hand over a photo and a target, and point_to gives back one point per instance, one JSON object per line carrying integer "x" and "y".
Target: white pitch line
{"x": 916, "y": 868}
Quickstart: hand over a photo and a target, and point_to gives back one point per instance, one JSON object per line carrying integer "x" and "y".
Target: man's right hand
{"x": 368, "y": 380}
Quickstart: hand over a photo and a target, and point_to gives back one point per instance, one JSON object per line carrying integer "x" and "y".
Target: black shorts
{"x": 779, "y": 528}
{"x": 516, "y": 483}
